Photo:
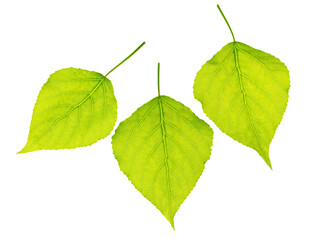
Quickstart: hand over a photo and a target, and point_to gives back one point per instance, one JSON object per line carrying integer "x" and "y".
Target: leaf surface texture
{"x": 245, "y": 92}
{"x": 75, "y": 108}
{"x": 162, "y": 148}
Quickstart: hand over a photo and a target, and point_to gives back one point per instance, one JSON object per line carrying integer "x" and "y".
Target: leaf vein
{"x": 265, "y": 66}
{"x": 216, "y": 71}
{"x": 139, "y": 148}
{"x": 163, "y": 129}
{"x": 263, "y": 89}
{"x": 187, "y": 138}
{"x": 230, "y": 108}
{"x": 138, "y": 124}
{"x": 146, "y": 163}
{"x": 184, "y": 153}
{"x": 225, "y": 83}
{"x": 186, "y": 120}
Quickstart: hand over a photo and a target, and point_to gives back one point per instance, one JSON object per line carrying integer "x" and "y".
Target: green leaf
{"x": 75, "y": 108}
{"x": 162, "y": 148}
{"x": 245, "y": 92}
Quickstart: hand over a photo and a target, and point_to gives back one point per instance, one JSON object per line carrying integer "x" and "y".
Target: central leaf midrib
{"x": 163, "y": 130}
{"x": 237, "y": 65}
{"x": 68, "y": 112}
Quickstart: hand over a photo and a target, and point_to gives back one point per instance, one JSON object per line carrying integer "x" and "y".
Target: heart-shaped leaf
{"x": 162, "y": 148}
{"x": 245, "y": 92}
{"x": 75, "y": 108}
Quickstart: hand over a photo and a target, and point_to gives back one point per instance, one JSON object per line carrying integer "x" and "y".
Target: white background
{"x": 82, "y": 194}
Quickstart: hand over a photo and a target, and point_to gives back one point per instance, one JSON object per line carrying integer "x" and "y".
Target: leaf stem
{"x": 221, "y": 12}
{"x": 159, "y": 79}
{"x": 138, "y": 48}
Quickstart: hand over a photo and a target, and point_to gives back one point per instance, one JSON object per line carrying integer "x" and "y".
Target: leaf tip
{"x": 22, "y": 151}
{"x": 26, "y": 149}
{"x": 267, "y": 160}
{"x": 172, "y": 223}
{"x": 269, "y": 164}
{"x": 170, "y": 218}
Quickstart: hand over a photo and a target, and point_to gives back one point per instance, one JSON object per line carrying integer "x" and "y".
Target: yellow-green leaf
{"x": 75, "y": 108}
{"x": 162, "y": 148}
{"x": 245, "y": 92}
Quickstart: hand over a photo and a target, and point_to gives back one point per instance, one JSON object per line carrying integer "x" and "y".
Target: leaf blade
{"x": 153, "y": 149}
{"x": 245, "y": 92}
{"x": 58, "y": 121}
